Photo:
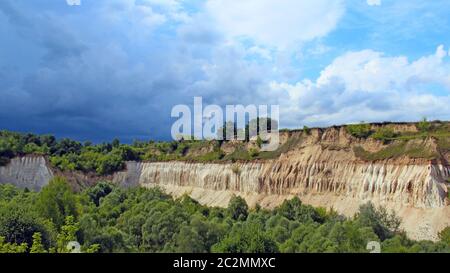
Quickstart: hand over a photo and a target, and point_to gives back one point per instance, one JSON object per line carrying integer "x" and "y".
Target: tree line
{"x": 106, "y": 218}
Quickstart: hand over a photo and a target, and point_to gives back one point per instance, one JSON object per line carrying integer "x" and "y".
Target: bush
{"x": 444, "y": 235}
{"x": 238, "y": 208}
{"x": 384, "y": 224}
{"x": 306, "y": 130}
{"x": 253, "y": 152}
{"x": 18, "y": 224}
{"x": 295, "y": 211}
{"x": 384, "y": 134}
{"x": 247, "y": 238}
{"x": 56, "y": 201}
{"x": 259, "y": 142}
{"x": 99, "y": 191}
{"x": 361, "y": 130}
{"x": 236, "y": 169}
{"x": 423, "y": 126}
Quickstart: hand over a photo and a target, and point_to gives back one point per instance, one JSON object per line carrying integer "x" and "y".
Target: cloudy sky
{"x": 115, "y": 68}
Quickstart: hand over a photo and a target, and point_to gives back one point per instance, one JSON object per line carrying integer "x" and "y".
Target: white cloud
{"x": 146, "y": 13}
{"x": 262, "y": 52}
{"x": 373, "y": 2}
{"x": 367, "y": 85}
{"x": 278, "y": 23}
{"x": 173, "y": 8}
{"x": 149, "y": 17}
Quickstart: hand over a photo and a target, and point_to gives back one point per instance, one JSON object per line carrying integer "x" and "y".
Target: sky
{"x": 100, "y": 69}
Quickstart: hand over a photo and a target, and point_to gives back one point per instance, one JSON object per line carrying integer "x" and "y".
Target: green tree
{"x": 424, "y": 126}
{"x": 306, "y": 130}
{"x": 56, "y": 201}
{"x": 19, "y": 223}
{"x": 188, "y": 241}
{"x": 116, "y": 143}
{"x": 384, "y": 134}
{"x": 237, "y": 208}
{"x": 99, "y": 191}
{"x": 444, "y": 236}
{"x": 361, "y": 130}
{"x": 12, "y": 247}
{"x": 294, "y": 210}
{"x": 248, "y": 237}
{"x": 67, "y": 234}
{"x": 37, "y": 246}
{"x": 384, "y": 224}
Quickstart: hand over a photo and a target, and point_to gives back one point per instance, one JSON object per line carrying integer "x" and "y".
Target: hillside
{"x": 402, "y": 166}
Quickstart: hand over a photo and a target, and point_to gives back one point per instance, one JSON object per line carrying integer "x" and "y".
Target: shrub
{"x": 238, "y": 208}
{"x": 384, "y": 224}
{"x": 236, "y": 169}
{"x": 18, "y": 224}
{"x": 423, "y": 126}
{"x": 56, "y": 201}
{"x": 249, "y": 237}
{"x": 306, "y": 130}
{"x": 259, "y": 142}
{"x": 253, "y": 152}
{"x": 444, "y": 235}
{"x": 384, "y": 134}
{"x": 361, "y": 130}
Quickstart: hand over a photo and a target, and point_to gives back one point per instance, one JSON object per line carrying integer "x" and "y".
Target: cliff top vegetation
{"x": 109, "y": 157}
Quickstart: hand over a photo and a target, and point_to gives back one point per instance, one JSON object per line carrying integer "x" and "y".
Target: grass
{"x": 444, "y": 143}
{"x": 394, "y": 151}
{"x": 396, "y": 141}
{"x": 437, "y": 129}
{"x": 208, "y": 157}
{"x": 240, "y": 153}
{"x": 361, "y": 130}
{"x": 289, "y": 145}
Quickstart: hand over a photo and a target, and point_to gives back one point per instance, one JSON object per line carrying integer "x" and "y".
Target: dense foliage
{"x": 100, "y": 159}
{"x": 66, "y": 154}
{"x": 106, "y": 218}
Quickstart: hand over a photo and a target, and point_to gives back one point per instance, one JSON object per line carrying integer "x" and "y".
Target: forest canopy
{"x": 107, "y": 218}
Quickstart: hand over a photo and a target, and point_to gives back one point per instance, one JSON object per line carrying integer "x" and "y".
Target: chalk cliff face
{"x": 323, "y": 171}
{"x": 415, "y": 192}
{"x": 411, "y": 185}
{"x": 26, "y": 172}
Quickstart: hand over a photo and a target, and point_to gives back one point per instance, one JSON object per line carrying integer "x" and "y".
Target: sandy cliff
{"x": 413, "y": 191}
{"x": 322, "y": 170}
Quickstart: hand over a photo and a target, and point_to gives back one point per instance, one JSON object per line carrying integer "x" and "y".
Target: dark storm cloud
{"x": 93, "y": 76}
{"x": 88, "y": 92}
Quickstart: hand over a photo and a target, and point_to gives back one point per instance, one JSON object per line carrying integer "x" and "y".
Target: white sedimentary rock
{"x": 417, "y": 192}
{"x": 26, "y": 172}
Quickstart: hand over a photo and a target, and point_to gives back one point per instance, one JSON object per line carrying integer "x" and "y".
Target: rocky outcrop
{"x": 320, "y": 176}
{"x": 320, "y": 166}
{"x": 410, "y": 185}
{"x": 29, "y": 172}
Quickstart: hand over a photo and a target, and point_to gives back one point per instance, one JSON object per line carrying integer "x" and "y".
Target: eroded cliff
{"x": 30, "y": 172}
{"x": 323, "y": 169}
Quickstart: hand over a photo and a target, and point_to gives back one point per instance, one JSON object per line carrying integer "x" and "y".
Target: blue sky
{"x": 115, "y": 68}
